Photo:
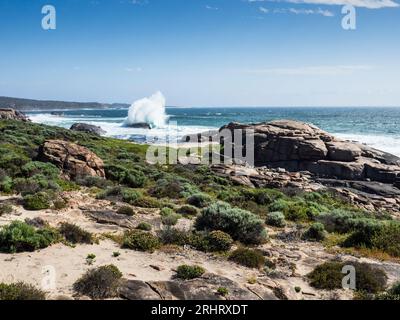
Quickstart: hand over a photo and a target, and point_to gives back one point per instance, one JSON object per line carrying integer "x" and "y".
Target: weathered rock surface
{"x": 89, "y": 128}
{"x": 298, "y": 146}
{"x": 74, "y": 160}
{"x": 11, "y": 114}
{"x": 203, "y": 288}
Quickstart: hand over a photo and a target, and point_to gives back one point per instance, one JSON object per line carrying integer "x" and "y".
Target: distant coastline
{"x": 46, "y": 105}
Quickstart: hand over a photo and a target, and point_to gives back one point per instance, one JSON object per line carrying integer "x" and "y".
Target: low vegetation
{"x": 75, "y": 234}
{"x": 20, "y": 291}
{"x": 140, "y": 240}
{"x": 186, "y": 272}
{"x": 99, "y": 283}
{"x": 248, "y": 258}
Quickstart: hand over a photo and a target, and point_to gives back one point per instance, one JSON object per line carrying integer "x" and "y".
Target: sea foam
{"x": 149, "y": 110}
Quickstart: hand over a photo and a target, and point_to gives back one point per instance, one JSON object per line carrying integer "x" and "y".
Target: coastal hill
{"x": 29, "y": 104}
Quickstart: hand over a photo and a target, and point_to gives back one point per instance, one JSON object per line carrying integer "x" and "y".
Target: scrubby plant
{"x": 170, "y": 220}
{"x": 239, "y": 224}
{"x": 248, "y": 258}
{"x": 392, "y": 294}
{"x": 99, "y": 283}
{"x": 187, "y": 272}
{"x": 144, "y": 226}
{"x": 199, "y": 200}
{"x": 130, "y": 196}
{"x": 33, "y": 168}
{"x": 147, "y": 202}
{"x": 5, "y": 209}
{"x": 38, "y": 201}
{"x": 60, "y": 204}
{"x": 188, "y": 210}
{"x": 276, "y": 219}
{"x": 6, "y": 184}
{"x": 174, "y": 236}
{"x": 167, "y": 211}
{"x": 93, "y": 181}
{"x": 222, "y": 291}
{"x": 140, "y": 240}
{"x": 219, "y": 241}
{"x": 329, "y": 276}
{"x": 315, "y": 232}
{"x": 126, "y": 210}
{"x": 19, "y": 236}
{"x": 131, "y": 177}
{"x": 173, "y": 187}
{"x": 75, "y": 234}
{"x": 20, "y": 291}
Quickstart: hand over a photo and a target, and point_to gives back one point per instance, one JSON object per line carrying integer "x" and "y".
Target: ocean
{"x": 377, "y": 127}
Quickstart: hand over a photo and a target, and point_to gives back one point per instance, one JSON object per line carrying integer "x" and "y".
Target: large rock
{"x": 203, "y": 288}
{"x": 298, "y": 146}
{"x": 11, "y": 114}
{"x": 139, "y": 125}
{"x": 88, "y": 128}
{"x": 74, "y": 160}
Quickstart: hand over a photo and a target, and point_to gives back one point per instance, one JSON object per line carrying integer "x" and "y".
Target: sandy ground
{"x": 56, "y": 268}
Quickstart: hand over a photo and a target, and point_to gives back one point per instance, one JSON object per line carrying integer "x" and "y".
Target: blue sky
{"x": 203, "y": 52}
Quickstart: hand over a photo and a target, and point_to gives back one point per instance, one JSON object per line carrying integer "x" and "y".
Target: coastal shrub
{"x": 173, "y": 187}
{"x": 5, "y": 209}
{"x": 219, "y": 241}
{"x": 222, "y": 291}
{"x": 167, "y": 212}
{"x": 75, "y": 234}
{"x": 170, "y": 220}
{"x": 248, "y": 258}
{"x": 341, "y": 221}
{"x": 6, "y": 184}
{"x": 140, "y": 240}
{"x": 46, "y": 169}
{"x": 130, "y": 196}
{"x": 109, "y": 192}
{"x": 99, "y": 283}
{"x": 392, "y": 294}
{"x": 60, "y": 204}
{"x": 279, "y": 205}
{"x": 20, "y": 291}
{"x": 199, "y": 200}
{"x": 37, "y": 201}
{"x": 296, "y": 211}
{"x": 126, "y": 210}
{"x": 186, "y": 272}
{"x": 131, "y": 177}
{"x": 329, "y": 276}
{"x": 239, "y": 224}
{"x": 276, "y": 219}
{"x": 188, "y": 210}
{"x": 384, "y": 236}
{"x": 93, "y": 181}
{"x": 146, "y": 202}
{"x": 315, "y": 232}
{"x": 144, "y": 226}
{"x": 19, "y": 236}
{"x": 175, "y": 236}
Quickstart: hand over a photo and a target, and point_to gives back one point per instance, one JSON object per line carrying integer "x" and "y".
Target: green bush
{"x": 74, "y": 234}
{"x": 199, "y": 200}
{"x": 6, "y": 184}
{"x": 130, "y": 196}
{"x": 222, "y": 291}
{"x": 315, "y": 232}
{"x": 239, "y": 224}
{"x": 5, "y": 209}
{"x": 140, "y": 240}
{"x": 126, "y": 210}
{"x": 131, "y": 177}
{"x": 186, "y": 272}
{"x": 19, "y": 236}
{"x": 173, "y": 187}
{"x": 329, "y": 276}
{"x": 167, "y": 211}
{"x": 248, "y": 258}
{"x": 38, "y": 201}
{"x": 147, "y": 202}
{"x": 93, "y": 181}
{"x": 276, "y": 219}
{"x": 392, "y": 294}
{"x": 33, "y": 168}
{"x": 20, "y": 291}
{"x": 144, "y": 226}
{"x": 384, "y": 236}
{"x": 219, "y": 241}
{"x": 174, "y": 236}
{"x": 188, "y": 210}
{"x": 170, "y": 220}
{"x": 60, "y": 204}
{"x": 99, "y": 283}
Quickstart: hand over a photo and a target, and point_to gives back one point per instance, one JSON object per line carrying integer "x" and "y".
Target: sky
{"x": 203, "y": 52}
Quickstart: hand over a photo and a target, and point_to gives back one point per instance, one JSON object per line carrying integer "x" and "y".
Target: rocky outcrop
{"x": 298, "y": 146}
{"x": 11, "y": 114}
{"x": 139, "y": 125}
{"x": 203, "y": 288}
{"x": 88, "y": 128}
{"x": 74, "y": 160}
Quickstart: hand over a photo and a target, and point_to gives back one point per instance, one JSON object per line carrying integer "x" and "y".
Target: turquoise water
{"x": 378, "y": 127}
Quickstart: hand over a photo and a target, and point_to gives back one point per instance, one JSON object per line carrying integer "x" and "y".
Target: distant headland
{"x": 30, "y": 104}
